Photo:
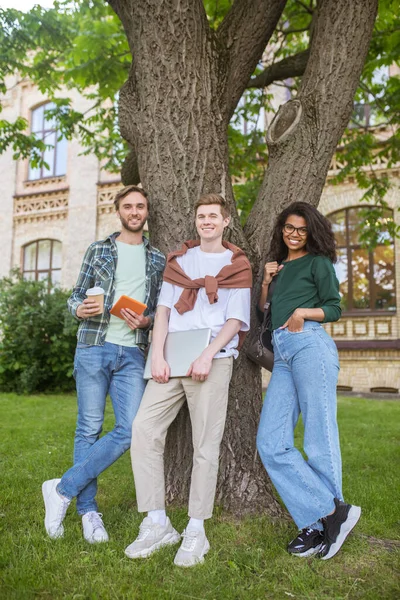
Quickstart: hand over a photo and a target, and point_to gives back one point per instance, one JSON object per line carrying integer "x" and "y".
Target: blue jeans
{"x": 99, "y": 370}
{"x": 304, "y": 379}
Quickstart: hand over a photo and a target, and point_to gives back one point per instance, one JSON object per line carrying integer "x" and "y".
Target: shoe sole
{"x": 168, "y": 540}
{"x": 347, "y": 526}
{"x": 93, "y": 541}
{"x": 60, "y": 531}
{"x": 309, "y": 552}
{"x": 199, "y": 560}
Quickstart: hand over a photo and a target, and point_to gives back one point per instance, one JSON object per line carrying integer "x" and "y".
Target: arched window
{"x": 366, "y": 277}
{"x": 42, "y": 260}
{"x": 55, "y": 155}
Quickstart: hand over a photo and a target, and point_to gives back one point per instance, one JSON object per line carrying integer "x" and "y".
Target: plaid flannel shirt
{"x": 98, "y": 269}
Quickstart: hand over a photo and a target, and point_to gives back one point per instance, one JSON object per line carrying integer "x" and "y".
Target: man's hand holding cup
{"x": 92, "y": 305}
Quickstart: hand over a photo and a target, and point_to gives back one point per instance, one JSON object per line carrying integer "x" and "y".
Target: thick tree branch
{"x": 243, "y": 36}
{"x": 306, "y": 131}
{"x": 130, "y": 168}
{"x": 286, "y": 32}
{"x": 308, "y": 9}
{"x": 291, "y": 66}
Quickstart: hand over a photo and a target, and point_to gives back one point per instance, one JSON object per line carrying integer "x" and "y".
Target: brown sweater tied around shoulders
{"x": 235, "y": 275}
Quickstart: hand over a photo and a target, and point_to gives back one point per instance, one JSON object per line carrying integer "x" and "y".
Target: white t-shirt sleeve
{"x": 166, "y": 297}
{"x": 239, "y": 307}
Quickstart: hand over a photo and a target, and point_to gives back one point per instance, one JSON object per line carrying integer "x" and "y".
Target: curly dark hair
{"x": 320, "y": 238}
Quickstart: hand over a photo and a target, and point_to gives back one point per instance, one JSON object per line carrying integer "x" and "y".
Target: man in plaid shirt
{"x": 109, "y": 359}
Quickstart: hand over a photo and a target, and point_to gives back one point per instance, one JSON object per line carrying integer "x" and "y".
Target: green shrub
{"x": 37, "y": 337}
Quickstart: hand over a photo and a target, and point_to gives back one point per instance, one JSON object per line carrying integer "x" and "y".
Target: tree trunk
{"x": 170, "y": 114}
{"x": 174, "y": 111}
{"x": 305, "y": 132}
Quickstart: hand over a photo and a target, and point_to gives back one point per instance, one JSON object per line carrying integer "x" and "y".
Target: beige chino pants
{"x": 207, "y": 403}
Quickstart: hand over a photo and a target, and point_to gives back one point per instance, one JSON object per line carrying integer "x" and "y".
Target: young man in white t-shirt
{"x": 221, "y": 302}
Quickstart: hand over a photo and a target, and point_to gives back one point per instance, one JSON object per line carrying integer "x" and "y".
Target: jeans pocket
{"x": 329, "y": 343}
{"x": 82, "y": 346}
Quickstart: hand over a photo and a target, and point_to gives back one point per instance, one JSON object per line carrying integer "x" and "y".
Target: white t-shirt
{"x": 233, "y": 303}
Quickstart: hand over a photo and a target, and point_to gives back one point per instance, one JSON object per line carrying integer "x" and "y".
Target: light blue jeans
{"x": 98, "y": 371}
{"x": 304, "y": 379}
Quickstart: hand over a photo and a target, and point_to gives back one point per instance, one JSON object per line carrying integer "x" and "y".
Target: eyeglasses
{"x": 289, "y": 228}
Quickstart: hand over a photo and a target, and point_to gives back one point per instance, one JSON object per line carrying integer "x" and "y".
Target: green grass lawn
{"x": 247, "y": 559}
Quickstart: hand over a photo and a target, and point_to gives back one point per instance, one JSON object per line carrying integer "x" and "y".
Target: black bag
{"x": 260, "y": 349}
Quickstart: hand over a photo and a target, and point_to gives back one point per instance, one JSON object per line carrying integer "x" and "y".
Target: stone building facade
{"x": 49, "y": 217}
{"x": 368, "y": 338}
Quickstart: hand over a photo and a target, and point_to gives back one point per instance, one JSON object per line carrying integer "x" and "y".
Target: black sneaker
{"x": 307, "y": 543}
{"x": 337, "y": 527}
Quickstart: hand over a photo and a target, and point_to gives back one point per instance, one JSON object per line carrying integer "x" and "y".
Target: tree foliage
{"x": 75, "y": 45}
{"x": 82, "y": 45}
{"x": 38, "y": 337}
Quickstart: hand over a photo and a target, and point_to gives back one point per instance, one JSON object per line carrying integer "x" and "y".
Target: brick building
{"x": 50, "y": 216}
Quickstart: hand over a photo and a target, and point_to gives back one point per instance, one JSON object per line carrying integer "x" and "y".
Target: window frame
{"x": 350, "y": 247}
{"x": 36, "y": 271}
{"x": 44, "y": 132}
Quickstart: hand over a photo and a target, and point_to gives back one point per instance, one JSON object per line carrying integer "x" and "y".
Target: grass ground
{"x": 247, "y": 559}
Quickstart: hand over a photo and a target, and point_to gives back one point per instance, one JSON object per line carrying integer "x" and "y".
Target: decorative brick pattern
{"x": 105, "y": 197}
{"x": 43, "y": 206}
{"x": 339, "y": 329}
{"x": 360, "y": 328}
{"x": 383, "y": 327}
{"x": 49, "y": 182}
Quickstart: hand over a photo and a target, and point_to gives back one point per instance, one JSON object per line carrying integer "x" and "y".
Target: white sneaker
{"x": 194, "y": 546}
{"x": 152, "y": 536}
{"x": 93, "y": 528}
{"x": 56, "y": 507}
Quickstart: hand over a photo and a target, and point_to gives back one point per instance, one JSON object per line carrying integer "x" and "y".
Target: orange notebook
{"x": 126, "y": 302}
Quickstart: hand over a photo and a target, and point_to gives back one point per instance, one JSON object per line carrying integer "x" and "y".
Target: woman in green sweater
{"x": 304, "y": 379}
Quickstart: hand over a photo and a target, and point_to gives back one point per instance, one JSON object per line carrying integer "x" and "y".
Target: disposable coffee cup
{"x": 97, "y": 295}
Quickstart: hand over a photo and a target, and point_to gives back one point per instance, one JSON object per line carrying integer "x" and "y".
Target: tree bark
{"x": 174, "y": 111}
{"x": 242, "y": 38}
{"x": 305, "y": 132}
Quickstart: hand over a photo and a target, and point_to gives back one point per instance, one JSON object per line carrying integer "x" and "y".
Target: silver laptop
{"x": 181, "y": 349}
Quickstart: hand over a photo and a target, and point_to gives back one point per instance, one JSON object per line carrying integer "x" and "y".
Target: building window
{"x": 55, "y": 155}
{"x": 42, "y": 260}
{"x": 366, "y": 277}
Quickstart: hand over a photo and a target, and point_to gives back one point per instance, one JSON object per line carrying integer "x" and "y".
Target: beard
{"x": 133, "y": 228}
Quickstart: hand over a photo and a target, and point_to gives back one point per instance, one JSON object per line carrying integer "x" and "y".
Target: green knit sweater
{"x": 306, "y": 282}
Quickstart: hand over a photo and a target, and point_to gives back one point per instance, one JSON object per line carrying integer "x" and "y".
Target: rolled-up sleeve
{"x": 328, "y": 288}
{"x": 84, "y": 282}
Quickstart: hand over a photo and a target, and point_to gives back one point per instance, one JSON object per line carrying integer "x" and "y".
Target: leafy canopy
{"x": 81, "y": 45}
